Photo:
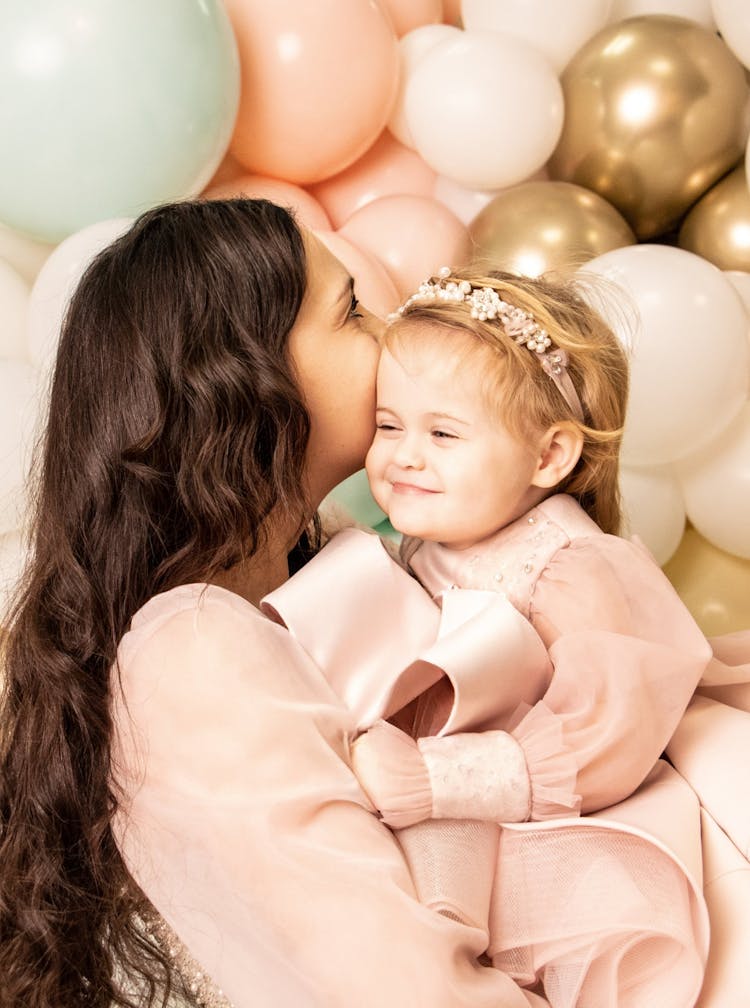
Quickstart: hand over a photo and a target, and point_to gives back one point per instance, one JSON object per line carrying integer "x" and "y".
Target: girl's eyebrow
{"x": 449, "y": 416}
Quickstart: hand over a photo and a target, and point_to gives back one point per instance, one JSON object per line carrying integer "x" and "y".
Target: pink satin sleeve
{"x": 626, "y": 656}
{"x": 246, "y": 827}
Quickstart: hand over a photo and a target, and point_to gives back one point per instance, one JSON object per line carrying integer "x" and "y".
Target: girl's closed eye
{"x": 386, "y": 426}
{"x": 444, "y": 434}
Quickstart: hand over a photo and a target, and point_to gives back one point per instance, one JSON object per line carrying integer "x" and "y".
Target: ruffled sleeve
{"x": 626, "y": 657}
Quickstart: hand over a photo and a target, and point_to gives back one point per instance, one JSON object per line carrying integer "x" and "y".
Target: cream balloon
{"x": 653, "y": 510}
{"x": 24, "y": 254}
{"x": 693, "y": 10}
{"x": 741, "y": 283}
{"x": 718, "y": 226}
{"x": 655, "y": 113}
{"x": 733, "y": 22}
{"x": 485, "y": 109}
{"x": 56, "y": 282}
{"x": 713, "y": 584}
{"x": 412, "y": 47}
{"x": 14, "y": 306}
{"x": 464, "y": 203}
{"x": 535, "y": 227}
{"x": 19, "y": 427}
{"x": 412, "y": 236}
{"x": 539, "y": 23}
{"x": 716, "y": 487}
{"x": 690, "y": 357}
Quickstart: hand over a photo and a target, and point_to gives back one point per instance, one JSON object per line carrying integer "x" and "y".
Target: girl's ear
{"x": 559, "y": 451}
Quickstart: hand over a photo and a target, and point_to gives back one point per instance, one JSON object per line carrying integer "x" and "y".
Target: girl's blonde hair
{"x": 515, "y": 384}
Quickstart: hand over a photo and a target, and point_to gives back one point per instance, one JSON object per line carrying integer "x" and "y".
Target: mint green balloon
{"x": 109, "y": 107}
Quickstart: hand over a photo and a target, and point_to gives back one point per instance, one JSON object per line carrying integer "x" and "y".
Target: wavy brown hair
{"x": 518, "y": 389}
{"x": 175, "y": 427}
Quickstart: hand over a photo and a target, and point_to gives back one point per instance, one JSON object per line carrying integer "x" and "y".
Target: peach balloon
{"x": 387, "y": 169}
{"x": 405, "y": 15}
{"x": 229, "y": 169}
{"x": 316, "y": 88}
{"x": 372, "y": 285}
{"x": 412, "y": 236}
{"x": 452, "y": 12}
{"x": 306, "y": 208}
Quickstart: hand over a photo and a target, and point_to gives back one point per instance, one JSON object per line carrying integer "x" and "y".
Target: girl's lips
{"x": 410, "y": 488}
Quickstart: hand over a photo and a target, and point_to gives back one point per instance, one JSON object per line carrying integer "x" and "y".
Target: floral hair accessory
{"x": 487, "y": 305}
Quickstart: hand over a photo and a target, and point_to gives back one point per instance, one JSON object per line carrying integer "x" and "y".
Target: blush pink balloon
{"x": 372, "y": 285}
{"x": 406, "y": 15}
{"x": 387, "y": 169}
{"x": 452, "y": 12}
{"x": 412, "y": 236}
{"x": 307, "y": 209}
{"x": 316, "y": 88}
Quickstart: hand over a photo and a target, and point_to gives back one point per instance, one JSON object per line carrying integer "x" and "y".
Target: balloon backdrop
{"x": 406, "y": 15}
{"x": 12, "y": 558}
{"x": 14, "y": 300}
{"x": 733, "y": 21}
{"x": 716, "y": 487}
{"x": 412, "y": 48}
{"x": 19, "y": 415}
{"x": 690, "y": 361}
{"x": 655, "y": 114}
{"x": 740, "y": 280}
{"x": 713, "y": 584}
{"x": 412, "y": 236}
{"x": 557, "y": 37}
{"x": 653, "y": 510}
{"x": 694, "y": 10}
{"x": 318, "y": 83}
{"x": 372, "y": 284}
{"x": 387, "y": 169}
{"x": 24, "y": 254}
{"x": 718, "y": 226}
{"x": 538, "y": 226}
{"x": 484, "y": 108}
{"x": 108, "y": 108}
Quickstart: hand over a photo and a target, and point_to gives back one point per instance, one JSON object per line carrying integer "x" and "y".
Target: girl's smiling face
{"x": 442, "y": 466}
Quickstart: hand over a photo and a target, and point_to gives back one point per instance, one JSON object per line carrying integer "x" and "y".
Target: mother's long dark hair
{"x": 175, "y": 427}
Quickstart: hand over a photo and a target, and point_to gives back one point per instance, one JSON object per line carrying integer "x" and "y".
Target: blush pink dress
{"x": 575, "y": 644}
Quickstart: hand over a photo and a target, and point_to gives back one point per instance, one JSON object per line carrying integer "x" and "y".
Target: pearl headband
{"x": 487, "y": 305}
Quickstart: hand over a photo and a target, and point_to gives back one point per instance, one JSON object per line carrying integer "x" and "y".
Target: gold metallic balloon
{"x": 654, "y": 115}
{"x": 718, "y": 226}
{"x": 534, "y": 227}
{"x": 714, "y": 585}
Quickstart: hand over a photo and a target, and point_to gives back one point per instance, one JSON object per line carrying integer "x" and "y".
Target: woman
{"x": 174, "y": 771}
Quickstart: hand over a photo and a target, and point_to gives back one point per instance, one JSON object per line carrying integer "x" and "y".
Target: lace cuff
{"x": 477, "y": 775}
{"x": 551, "y": 764}
{"x": 393, "y": 775}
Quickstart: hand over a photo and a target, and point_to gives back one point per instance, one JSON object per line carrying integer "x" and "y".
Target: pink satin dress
{"x": 574, "y": 643}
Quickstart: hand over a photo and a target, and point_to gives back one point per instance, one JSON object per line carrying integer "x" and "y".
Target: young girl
{"x": 562, "y": 662}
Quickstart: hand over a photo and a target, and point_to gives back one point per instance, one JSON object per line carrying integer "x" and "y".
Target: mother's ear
{"x": 559, "y": 450}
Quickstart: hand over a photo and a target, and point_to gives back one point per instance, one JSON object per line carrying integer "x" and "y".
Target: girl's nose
{"x": 408, "y": 453}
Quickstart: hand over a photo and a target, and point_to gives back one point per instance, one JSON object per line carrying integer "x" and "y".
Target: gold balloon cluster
{"x": 656, "y": 114}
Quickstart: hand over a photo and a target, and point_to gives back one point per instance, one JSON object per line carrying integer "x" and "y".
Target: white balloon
{"x": 733, "y": 22}
{"x": 464, "y": 203}
{"x": 412, "y": 47}
{"x": 690, "y": 362}
{"x": 484, "y": 108}
{"x": 25, "y": 255}
{"x": 56, "y": 282}
{"x": 692, "y": 10}
{"x": 14, "y": 307}
{"x": 20, "y": 417}
{"x": 653, "y": 509}
{"x": 540, "y": 23}
{"x": 716, "y": 487}
{"x": 741, "y": 283}
{"x": 13, "y": 555}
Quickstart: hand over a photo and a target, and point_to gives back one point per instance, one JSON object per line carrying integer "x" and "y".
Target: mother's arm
{"x": 248, "y": 831}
